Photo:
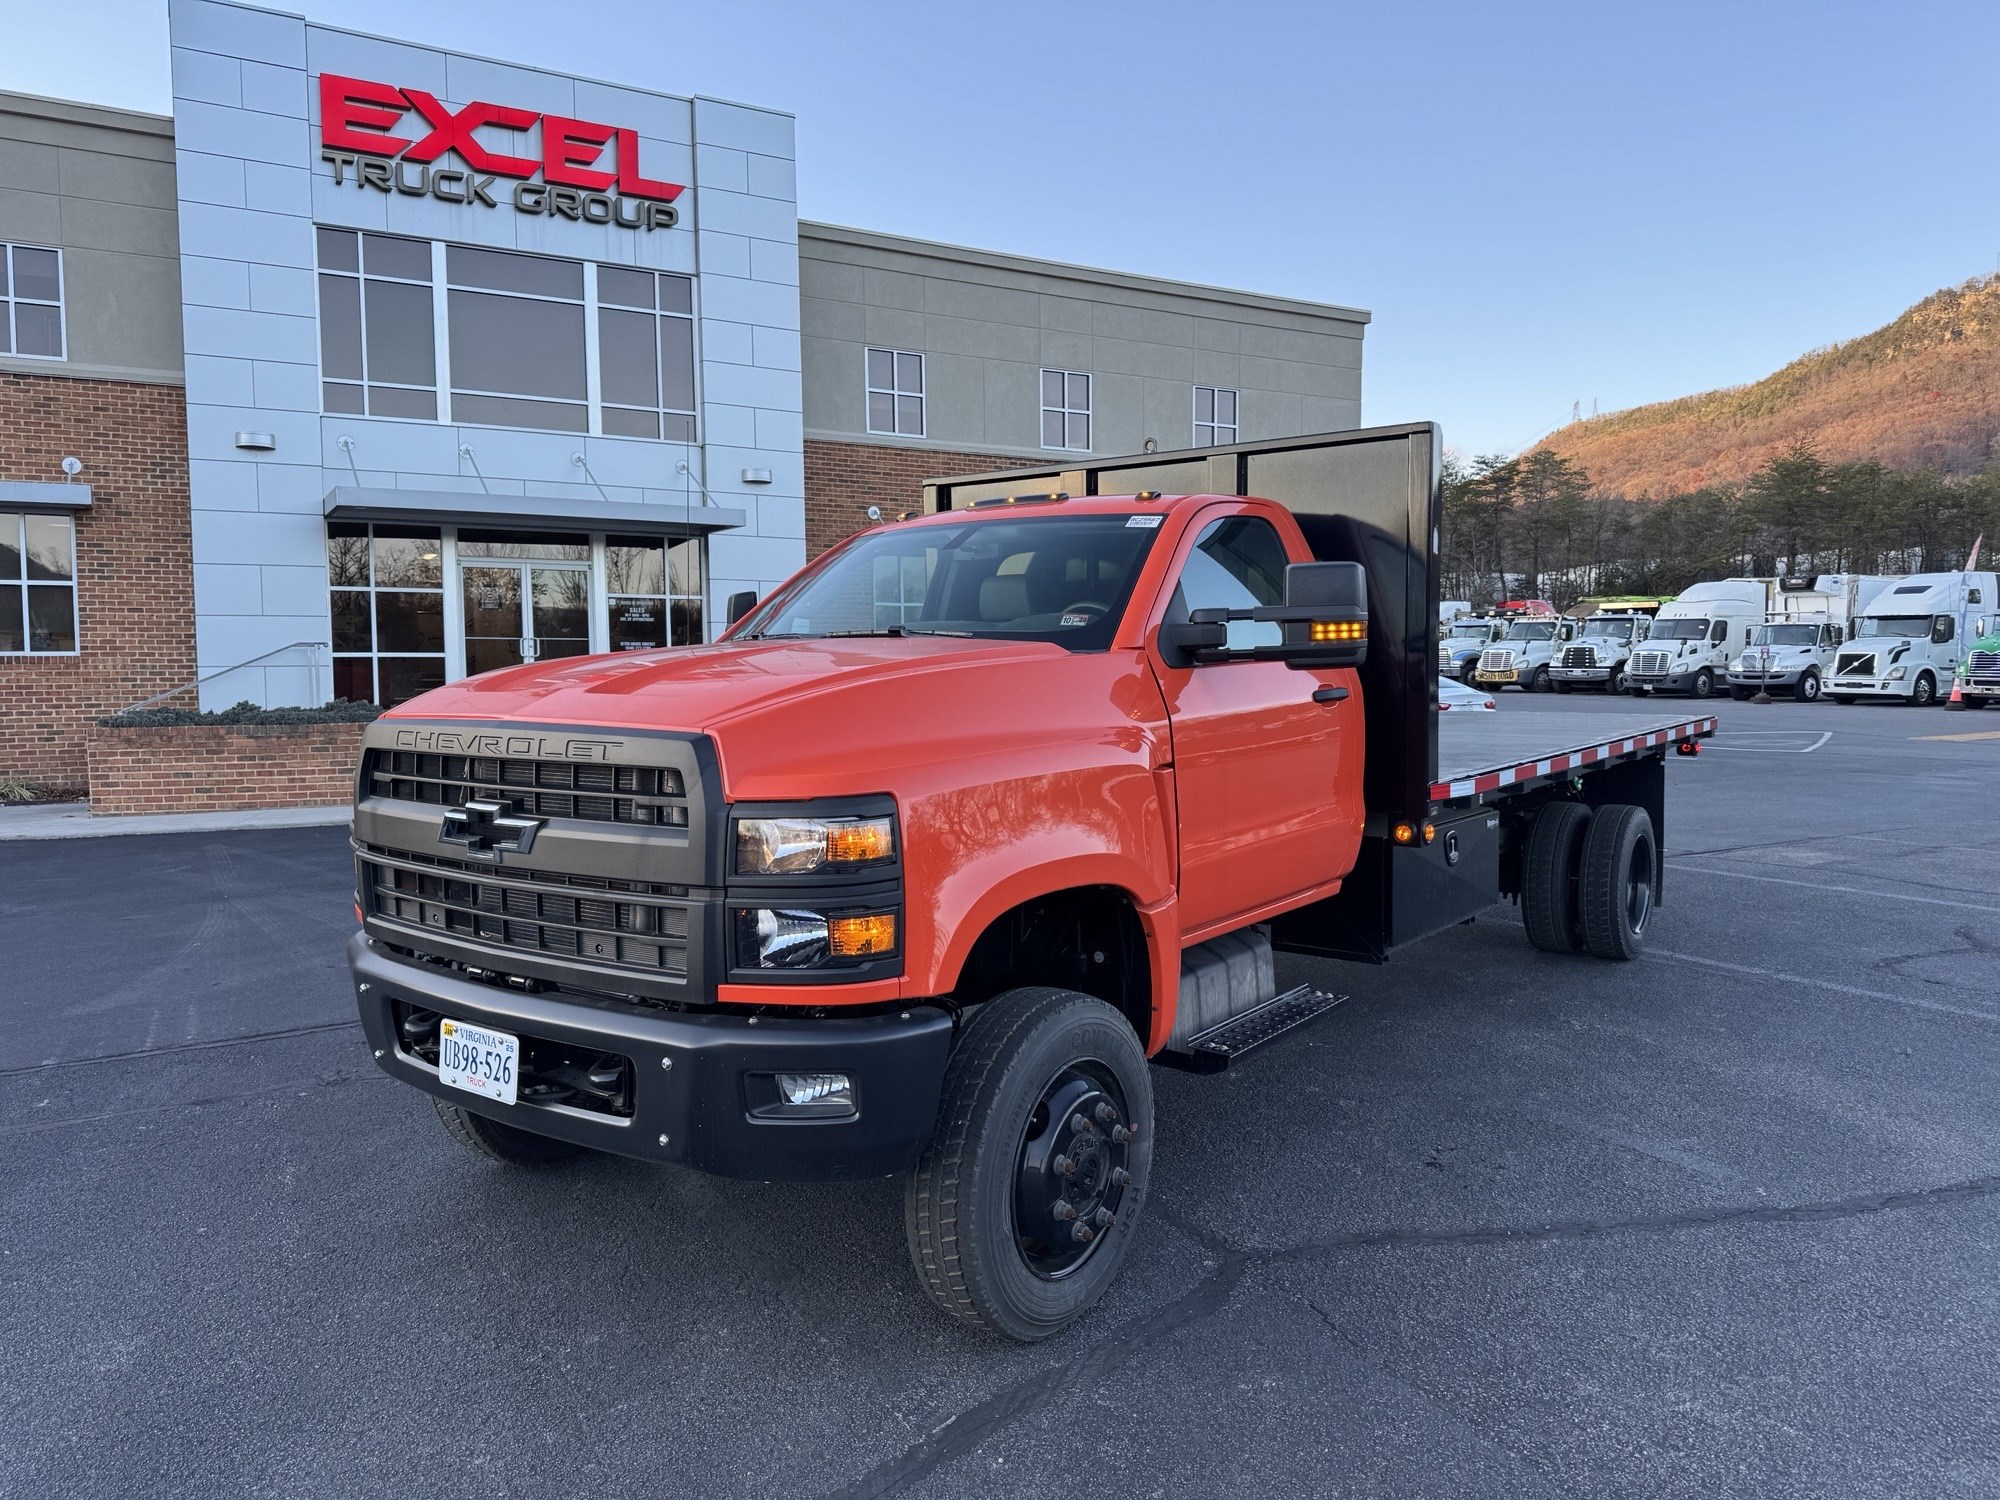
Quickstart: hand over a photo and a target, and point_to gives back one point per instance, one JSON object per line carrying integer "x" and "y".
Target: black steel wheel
{"x": 1704, "y": 683}
{"x": 1549, "y": 869}
{"x": 1741, "y": 694}
{"x": 1616, "y": 682}
{"x": 1027, "y": 1196}
{"x": 501, "y": 1142}
{"x": 1619, "y": 884}
{"x": 1539, "y": 680}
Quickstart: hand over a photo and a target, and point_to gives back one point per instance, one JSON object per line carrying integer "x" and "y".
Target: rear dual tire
{"x": 1590, "y": 880}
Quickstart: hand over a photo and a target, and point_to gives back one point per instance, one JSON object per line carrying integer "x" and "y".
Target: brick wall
{"x": 135, "y": 579}
{"x": 222, "y": 768}
{"x": 844, "y": 479}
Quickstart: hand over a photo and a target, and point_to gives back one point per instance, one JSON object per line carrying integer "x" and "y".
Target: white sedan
{"x": 1457, "y": 696}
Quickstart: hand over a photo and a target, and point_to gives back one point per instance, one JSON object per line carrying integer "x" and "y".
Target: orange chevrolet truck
{"x": 921, "y": 866}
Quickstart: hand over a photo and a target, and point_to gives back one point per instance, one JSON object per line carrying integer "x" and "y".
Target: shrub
{"x": 339, "y": 712}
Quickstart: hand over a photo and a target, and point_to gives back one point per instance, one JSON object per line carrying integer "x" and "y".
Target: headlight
{"x": 1896, "y": 673}
{"x": 793, "y": 846}
{"x": 788, "y": 938}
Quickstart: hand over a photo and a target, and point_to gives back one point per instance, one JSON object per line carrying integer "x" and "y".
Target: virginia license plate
{"x": 482, "y": 1062}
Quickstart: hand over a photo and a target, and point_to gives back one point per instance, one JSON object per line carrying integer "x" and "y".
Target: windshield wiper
{"x": 821, "y": 635}
{"x": 931, "y": 630}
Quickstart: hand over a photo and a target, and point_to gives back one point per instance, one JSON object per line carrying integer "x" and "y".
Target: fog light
{"x": 796, "y": 1090}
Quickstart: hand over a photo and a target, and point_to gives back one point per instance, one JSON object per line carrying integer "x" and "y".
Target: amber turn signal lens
{"x": 858, "y": 937}
{"x": 1404, "y": 833}
{"x": 855, "y": 843}
{"x": 1338, "y": 630}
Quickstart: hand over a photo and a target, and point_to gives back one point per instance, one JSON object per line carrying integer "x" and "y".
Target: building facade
{"x": 377, "y": 365}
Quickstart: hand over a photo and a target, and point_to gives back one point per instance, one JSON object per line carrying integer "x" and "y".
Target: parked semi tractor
{"x": 916, "y": 880}
{"x": 1978, "y": 682}
{"x": 1521, "y": 657}
{"x": 1599, "y": 654}
{"x": 1907, "y": 640}
{"x": 1694, "y": 638}
{"x": 1460, "y": 643}
{"x": 1793, "y": 651}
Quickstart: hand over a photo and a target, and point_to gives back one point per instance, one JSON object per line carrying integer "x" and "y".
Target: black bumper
{"x": 695, "y": 1077}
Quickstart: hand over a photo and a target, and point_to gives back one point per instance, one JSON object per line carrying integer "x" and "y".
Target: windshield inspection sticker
{"x": 1075, "y": 620}
{"x": 1144, "y": 522}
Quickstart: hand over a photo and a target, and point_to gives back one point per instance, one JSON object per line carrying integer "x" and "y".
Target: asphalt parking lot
{"x": 1720, "y": 1222}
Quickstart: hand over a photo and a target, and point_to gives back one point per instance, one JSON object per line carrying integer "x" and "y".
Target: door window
{"x": 1237, "y": 563}
{"x": 1942, "y": 630}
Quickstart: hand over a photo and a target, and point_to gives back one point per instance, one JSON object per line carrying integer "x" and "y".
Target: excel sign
{"x": 404, "y": 141}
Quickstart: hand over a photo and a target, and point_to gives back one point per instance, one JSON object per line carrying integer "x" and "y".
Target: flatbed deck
{"x": 1481, "y": 753}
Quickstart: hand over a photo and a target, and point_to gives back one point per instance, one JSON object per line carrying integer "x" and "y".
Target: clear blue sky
{"x": 1541, "y": 203}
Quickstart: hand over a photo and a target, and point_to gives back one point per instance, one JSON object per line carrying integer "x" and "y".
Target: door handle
{"x": 1329, "y": 694}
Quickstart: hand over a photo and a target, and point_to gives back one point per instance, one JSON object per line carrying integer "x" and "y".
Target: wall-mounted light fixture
{"x": 257, "y": 442}
{"x": 756, "y": 476}
{"x": 71, "y": 467}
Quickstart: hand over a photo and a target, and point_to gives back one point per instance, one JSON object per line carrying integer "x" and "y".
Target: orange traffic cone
{"x": 1956, "y": 702}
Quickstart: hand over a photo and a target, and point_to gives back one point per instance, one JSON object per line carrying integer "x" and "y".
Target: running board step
{"x": 1220, "y": 1046}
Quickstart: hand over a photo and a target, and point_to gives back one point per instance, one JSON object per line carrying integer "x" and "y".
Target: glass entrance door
{"x": 520, "y": 612}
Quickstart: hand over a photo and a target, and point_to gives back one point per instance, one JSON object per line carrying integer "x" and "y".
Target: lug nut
{"x": 1104, "y": 1218}
{"x": 1121, "y": 1135}
{"x": 1063, "y": 1166}
{"x": 1082, "y": 1126}
{"x": 1064, "y": 1209}
{"x": 1106, "y": 1115}
{"x": 1083, "y": 1234}
{"x": 1120, "y": 1177}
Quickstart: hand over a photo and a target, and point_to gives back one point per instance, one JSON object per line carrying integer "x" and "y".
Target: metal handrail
{"x": 221, "y": 672}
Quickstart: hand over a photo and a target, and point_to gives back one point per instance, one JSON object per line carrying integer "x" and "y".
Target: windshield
{"x": 1784, "y": 635}
{"x": 1045, "y": 578}
{"x": 1893, "y": 625}
{"x": 1679, "y": 630}
{"x": 1607, "y": 630}
{"x": 1477, "y": 630}
{"x": 1528, "y": 630}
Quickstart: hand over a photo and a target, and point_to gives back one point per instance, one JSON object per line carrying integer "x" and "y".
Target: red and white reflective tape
{"x": 1556, "y": 765}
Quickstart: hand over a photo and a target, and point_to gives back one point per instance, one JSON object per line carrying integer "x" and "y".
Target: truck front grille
{"x": 650, "y": 796}
{"x": 1580, "y": 656}
{"x": 1650, "y": 663}
{"x": 619, "y": 924}
{"x": 1983, "y": 667}
{"x": 1855, "y": 664}
{"x": 1495, "y": 660}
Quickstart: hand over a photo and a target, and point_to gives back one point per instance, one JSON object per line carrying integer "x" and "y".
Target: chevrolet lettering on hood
{"x": 514, "y": 746}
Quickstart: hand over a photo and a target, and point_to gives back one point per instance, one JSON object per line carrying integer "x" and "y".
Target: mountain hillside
{"x": 1921, "y": 393}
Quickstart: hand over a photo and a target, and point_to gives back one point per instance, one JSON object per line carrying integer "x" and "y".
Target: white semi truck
{"x": 1521, "y": 657}
{"x": 1695, "y": 638}
{"x": 1598, "y": 656}
{"x": 1460, "y": 643}
{"x": 1908, "y": 638}
{"x": 1810, "y": 618}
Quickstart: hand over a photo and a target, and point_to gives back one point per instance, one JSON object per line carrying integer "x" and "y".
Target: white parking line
{"x": 1822, "y": 984}
{"x": 1717, "y": 744}
{"x": 1851, "y": 890}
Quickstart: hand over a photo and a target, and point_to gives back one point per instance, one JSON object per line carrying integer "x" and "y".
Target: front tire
{"x": 1808, "y": 688}
{"x": 1619, "y": 883}
{"x": 1025, "y": 1201}
{"x": 1539, "y": 680}
{"x": 1616, "y": 682}
{"x": 1923, "y": 693}
{"x": 1741, "y": 694}
{"x": 498, "y": 1142}
{"x": 1704, "y": 683}
{"x": 1845, "y": 700}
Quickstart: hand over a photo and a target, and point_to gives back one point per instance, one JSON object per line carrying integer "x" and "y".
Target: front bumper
{"x": 1778, "y": 678}
{"x": 1580, "y": 674}
{"x": 694, "y": 1075}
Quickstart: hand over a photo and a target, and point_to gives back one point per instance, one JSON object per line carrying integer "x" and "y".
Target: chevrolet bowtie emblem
{"x": 488, "y": 828}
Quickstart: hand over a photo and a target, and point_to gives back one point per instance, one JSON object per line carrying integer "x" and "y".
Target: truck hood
{"x": 699, "y": 688}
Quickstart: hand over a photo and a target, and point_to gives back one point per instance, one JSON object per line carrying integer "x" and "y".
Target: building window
{"x": 37, "y": 585}
{"x": 1065, "y": 410}
{"x": 895, "y": 393}
{"x": 387, "y": 604}
{"x": 645, "y": 353}
{"x": 31, "y": 314}
{"x": 655, "y": 590}
{"x": 377, "y": 337}
{"x": 1214, "y": 415}
{"x": 518, "y": 354}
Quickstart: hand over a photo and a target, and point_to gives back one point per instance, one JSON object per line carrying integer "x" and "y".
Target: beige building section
{"x": 988, "y": 324}
{"x": 98, "y": 184}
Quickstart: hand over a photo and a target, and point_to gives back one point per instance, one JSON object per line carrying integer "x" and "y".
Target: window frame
{"x": 1242, "y": 634}
{"x": 375, "y": 655}
{"x": 1066, "y": 411}
{"x": 895, "y": 392}
{"x": 445, "y": 386}
{"x": 10, "y": 298}
{"x": 669, "y": 597}
{"x": 21, "y": 586}
{"x": 1216, "y": 427}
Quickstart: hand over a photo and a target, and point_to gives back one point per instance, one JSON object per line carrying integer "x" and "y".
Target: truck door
{"x": 1257, "y": 761}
